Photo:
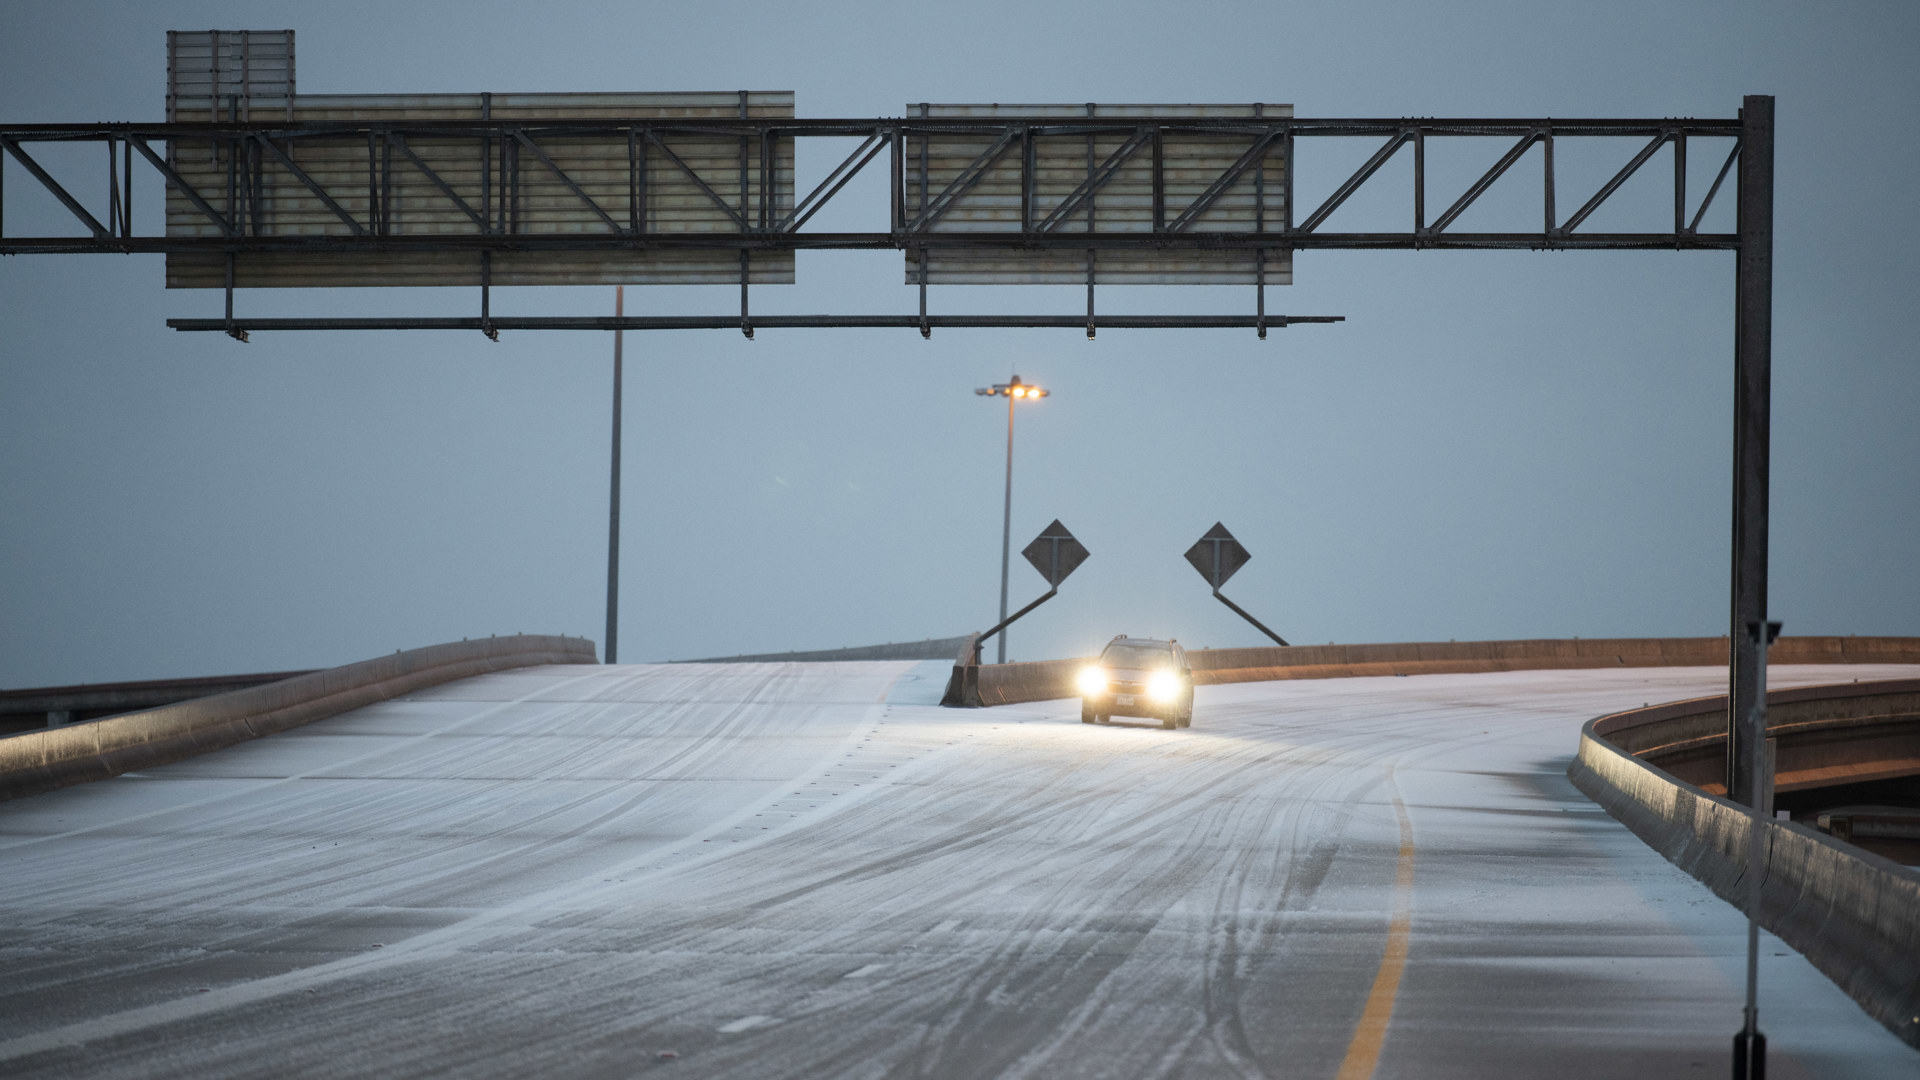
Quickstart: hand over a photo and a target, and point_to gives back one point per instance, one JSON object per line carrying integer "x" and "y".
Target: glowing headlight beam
{"x": 1093, "y": 681}
{"x": 1163, "y": 685}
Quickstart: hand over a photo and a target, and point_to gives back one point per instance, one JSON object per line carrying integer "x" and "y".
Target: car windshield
{"x": 1137, "y": 656}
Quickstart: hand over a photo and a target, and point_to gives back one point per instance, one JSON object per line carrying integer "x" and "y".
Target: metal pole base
{"x": 1749, "y": 1056}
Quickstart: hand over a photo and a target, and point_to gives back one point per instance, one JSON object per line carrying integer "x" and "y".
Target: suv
{"x": 1142, "y": 677}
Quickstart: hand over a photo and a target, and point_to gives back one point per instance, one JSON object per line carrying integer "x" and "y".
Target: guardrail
{"x": 40, "y": 761}
{"x": 1007, "y": 684}
{"x": 1853, "y": 914}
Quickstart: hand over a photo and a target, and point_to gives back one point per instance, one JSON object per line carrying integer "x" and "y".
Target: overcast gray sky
{"x": 1494, "y": 445}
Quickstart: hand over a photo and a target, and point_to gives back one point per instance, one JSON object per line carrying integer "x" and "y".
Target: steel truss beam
{"x": 250, "y": 145}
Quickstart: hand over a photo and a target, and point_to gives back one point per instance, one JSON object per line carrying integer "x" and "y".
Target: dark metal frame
{"x": 244, "y": 143}
{"x": 253, "y": 147}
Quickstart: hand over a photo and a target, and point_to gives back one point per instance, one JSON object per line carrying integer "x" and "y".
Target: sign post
{"x": 1218, "y": 556}
{"x": 613, "y": 500}
{"x": 1056, "y": 554}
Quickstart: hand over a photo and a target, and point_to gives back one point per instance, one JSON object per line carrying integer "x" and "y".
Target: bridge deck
{"x": 774, "y": 870}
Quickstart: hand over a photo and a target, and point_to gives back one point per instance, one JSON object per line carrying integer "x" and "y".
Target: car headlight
{"x": 1093, "y": 681}
{"x": 1163, "y": 685}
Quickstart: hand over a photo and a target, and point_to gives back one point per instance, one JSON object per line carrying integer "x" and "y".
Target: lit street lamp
{"x": 1012, "y": 391}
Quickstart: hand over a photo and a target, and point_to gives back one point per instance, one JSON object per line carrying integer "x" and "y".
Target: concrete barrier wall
{"x": 1271, "y": 663}
{"x": 1043, "y": 680}
{"x": 929, "y": 649}
{"x": 44, "y": 760}
{"x": 1853, "y": 914}
{"x": 1825, "y": 735}
{"x": 50, "y": 706}
{"x": 1008, "y": 684}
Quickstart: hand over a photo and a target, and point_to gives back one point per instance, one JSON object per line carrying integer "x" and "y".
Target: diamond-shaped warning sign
{"x": 1217, "y": 555}
{"x": 1055, "y": 553}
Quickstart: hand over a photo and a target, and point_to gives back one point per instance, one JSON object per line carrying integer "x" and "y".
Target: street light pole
{"x": 1006, "y": 529}
{"x": 1012, "y": 391}
{"x": 613, "y": 499}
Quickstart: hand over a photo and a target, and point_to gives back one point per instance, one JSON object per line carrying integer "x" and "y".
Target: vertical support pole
{"x": 745, "y": 220}
{"x": 373, "y": 186}
{"x": 486, "y": 296}
{"x": 1159, "y": 185}
{"x": 1260, "y": 292}
{"x": 233, "y": 331}
{"x": 746, "y": 257}
{"x": 257, "y": 186}
{"x": 249, "y": 219}
{"x": 1749, "y": 1045}
{"x": 1091, "y": 254}
{"x": 126, "y": 188}
{"x": 926, "y": 159}
{"x": 926, "y": 152}
{"x": 486, "y": 164}
{"x": 512, "y": 164}
{"x": 386, "y": 184}
{"x": 898, "y": 195}
{"x": 1546, "y": 174}
{"x": 1026, "y": 180}
{"x": 640, "y": 166}
{"x": 502, "y": 198}
{"x": 1286, "y": 182}
{"x": 613, "y": 497}
{"x": 236, "y": 225}
{"x": 486, "y": 216}
{"x": 113, "y": 187}
{"x": 1679, "y": 185}
{"x": 767, "y": 143}
{"x": 1753, "y": 380}
{"x": 920, "y": 264}
{"x": 1419, "y": 185}
{"x": 746, "y": 318}
{"x": 633, "y": 181}
{"x": 1286, "y": 193}
{"x": 1006, "y": 533}
{"x": 1260, "y": 226}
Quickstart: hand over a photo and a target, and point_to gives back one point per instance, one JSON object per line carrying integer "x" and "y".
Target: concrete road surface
{"x": 808, "y": 870}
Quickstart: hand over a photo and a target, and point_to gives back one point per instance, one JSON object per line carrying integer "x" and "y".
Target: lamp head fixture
{"x": 1014, "y": 389}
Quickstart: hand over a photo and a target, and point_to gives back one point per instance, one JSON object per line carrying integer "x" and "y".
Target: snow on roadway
{"x": 809, "y": 870}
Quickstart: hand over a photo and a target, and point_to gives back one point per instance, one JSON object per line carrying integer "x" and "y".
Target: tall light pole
{"x": 1012, "y": 391}
{"x": 613, "y": 498}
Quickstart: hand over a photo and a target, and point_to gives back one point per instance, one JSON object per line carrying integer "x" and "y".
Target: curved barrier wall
{"x": 1268, "y": 663}
{"x": 1853, "y": 914}
{"x": 928, "y": 649}
{"x": 1047, "y": 680}
{"x": 1823, "y": 735}
{"x": 43, "y": 760}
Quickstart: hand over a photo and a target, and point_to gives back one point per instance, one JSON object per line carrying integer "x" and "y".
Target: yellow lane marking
{"x": 1363, "y": 1053}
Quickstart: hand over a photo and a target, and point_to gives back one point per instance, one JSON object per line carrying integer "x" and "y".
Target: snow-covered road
{"x": 787, "y": 870}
